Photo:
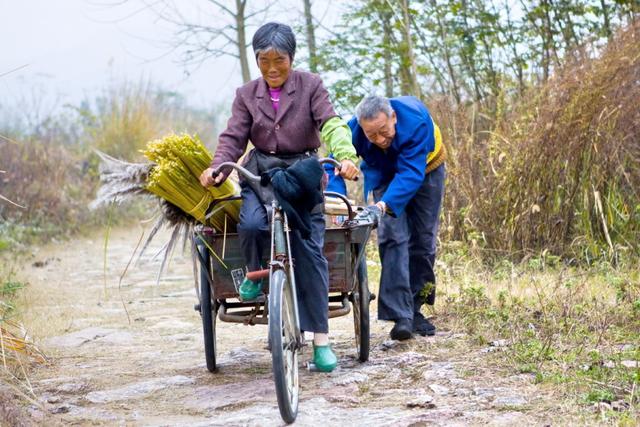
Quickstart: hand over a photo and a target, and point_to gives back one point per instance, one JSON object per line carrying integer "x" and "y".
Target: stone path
{"x": 104, "y": 370}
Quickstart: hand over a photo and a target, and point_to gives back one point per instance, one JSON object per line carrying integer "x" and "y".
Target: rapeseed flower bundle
{"x": 179, "y": 161}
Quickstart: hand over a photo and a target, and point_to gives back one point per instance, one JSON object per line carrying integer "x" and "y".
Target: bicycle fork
{"x": 281, "y": 259}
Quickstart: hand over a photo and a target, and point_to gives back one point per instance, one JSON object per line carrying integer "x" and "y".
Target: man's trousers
{"x": 407, "y": 246}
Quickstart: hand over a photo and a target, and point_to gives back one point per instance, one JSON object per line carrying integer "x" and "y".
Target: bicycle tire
{"x": 360, "y": 300}
{"x": 284, "y": 349}
{"x": 208, "y": 312}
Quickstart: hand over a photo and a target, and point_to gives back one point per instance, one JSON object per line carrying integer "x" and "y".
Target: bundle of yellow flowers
{"x": 179, "y": 161}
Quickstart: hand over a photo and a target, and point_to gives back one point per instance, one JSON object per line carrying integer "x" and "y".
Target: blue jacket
{"x": 402, "y": 165}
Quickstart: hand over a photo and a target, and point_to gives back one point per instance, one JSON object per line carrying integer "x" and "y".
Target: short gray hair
{"x": 371, "y": 106}
{"x": 276, "y": 36}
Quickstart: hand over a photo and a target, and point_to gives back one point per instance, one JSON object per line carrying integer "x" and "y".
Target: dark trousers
{"x": 311, "y": 267}
{"x": 407, "y": 246}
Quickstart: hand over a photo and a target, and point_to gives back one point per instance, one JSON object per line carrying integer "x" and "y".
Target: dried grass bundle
{"x": 120, "y": 180}
{"x": 179, "y": 161}
{"x": 173, "y": 176}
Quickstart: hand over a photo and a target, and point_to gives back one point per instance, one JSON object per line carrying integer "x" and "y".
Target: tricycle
{"x": 222, "y": 269}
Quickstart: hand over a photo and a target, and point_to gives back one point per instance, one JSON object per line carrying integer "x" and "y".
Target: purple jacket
{"x": 304, "y": 108}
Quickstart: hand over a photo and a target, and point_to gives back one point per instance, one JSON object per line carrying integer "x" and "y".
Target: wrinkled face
{"x": 380, "y": 130}
{"x": 274, "y": 66}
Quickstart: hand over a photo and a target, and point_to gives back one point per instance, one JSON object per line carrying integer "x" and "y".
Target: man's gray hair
{"x": 274, "y": 36}
{"x": 371, "y": 106}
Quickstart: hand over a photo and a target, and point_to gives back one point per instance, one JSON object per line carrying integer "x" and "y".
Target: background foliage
{"x": 51, "y": 170}
{"x": 536, "y": 102}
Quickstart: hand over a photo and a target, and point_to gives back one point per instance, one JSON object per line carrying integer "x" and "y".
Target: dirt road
{"x": 151, "y": 371}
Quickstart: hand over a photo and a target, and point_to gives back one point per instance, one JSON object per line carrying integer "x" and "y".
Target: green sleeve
{"x": 336, "y": 135}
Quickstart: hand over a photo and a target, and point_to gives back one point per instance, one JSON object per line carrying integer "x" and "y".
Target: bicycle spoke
{"x": 292, "y": 377}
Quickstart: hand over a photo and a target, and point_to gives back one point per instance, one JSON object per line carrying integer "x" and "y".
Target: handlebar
{"x": 242, "y": 171}
{"x": 331, "y": 160}
{"x": 335, "y": 163}
{"x": 370, "y": 215}
{"x": 254, "y": 178}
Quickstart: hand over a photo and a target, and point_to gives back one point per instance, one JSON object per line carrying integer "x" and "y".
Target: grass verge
{"x": 17, "y": 353}
{"x": 574, "y": 329}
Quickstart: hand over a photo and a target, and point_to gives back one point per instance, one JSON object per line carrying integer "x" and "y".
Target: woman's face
{"x": 275, "y": 67}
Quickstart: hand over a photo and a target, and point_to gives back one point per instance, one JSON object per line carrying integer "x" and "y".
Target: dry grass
{"x": 45, "y": 179}
{"x": 17, "y": 355}
{"x": 557, "y": 171}
{"x": 51, "y": 169}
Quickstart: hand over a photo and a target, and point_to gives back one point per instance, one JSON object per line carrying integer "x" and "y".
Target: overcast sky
{"x": 68, "y": 49}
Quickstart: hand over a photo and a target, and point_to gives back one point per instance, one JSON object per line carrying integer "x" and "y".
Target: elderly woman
{"x": 285, "y": 114}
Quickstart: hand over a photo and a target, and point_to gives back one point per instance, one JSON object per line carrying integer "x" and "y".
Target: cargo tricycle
{"x": 222, "y": 269}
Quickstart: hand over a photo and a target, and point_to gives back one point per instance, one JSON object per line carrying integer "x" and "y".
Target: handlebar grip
{"x": 241, "y": 171}
{"x": 335, "y": 163}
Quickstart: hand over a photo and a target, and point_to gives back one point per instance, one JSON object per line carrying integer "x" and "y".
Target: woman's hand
{"x": 207, "y": 179}
{"x": 349, "y": 170}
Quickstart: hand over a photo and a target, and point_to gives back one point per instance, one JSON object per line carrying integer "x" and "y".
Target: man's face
{"x": 380, "y": 130}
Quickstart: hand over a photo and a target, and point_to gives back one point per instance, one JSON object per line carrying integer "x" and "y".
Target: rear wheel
{"x": 283, "y": 333}
{"x": 360, "y": 300}
{"x": 208, "y": 310}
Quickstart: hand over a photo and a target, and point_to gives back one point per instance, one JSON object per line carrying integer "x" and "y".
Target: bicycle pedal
{"x": 260, "y": 299}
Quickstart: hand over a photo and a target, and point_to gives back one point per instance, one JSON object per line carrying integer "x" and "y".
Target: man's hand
{"x": 348, "y": 170}
{"x": 207, "y": 179}
{"x": 372, "y": 214}
{"x": 382, "y": 206}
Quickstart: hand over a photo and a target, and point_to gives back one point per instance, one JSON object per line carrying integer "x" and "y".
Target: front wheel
{"x": 208, "y": 310}
{"x": 360, "y": 300}
{"x": 283, "y": 333}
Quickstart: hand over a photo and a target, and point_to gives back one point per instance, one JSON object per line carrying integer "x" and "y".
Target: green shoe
{"x": 249, "y": 289}
{"x": 324, "y": 358}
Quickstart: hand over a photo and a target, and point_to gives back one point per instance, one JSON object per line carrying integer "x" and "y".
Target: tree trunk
{"x": 242, "y": 40}
{"x": 386, "y": 41}
{"x": 552, "y": 49}
{"x": 447, "y": 55}
{"x": 412, "y": 72}
{"x": 311, "y": 37}
{"x": 468, "y": 54}
{"x": 605, "y": 17}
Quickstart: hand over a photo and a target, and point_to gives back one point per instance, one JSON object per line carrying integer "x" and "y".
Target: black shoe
{"x": 422, "y": 326}
{"x": 401, "y": 330}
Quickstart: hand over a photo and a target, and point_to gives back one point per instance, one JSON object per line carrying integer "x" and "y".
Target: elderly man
{"x": 403, "y": 165}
